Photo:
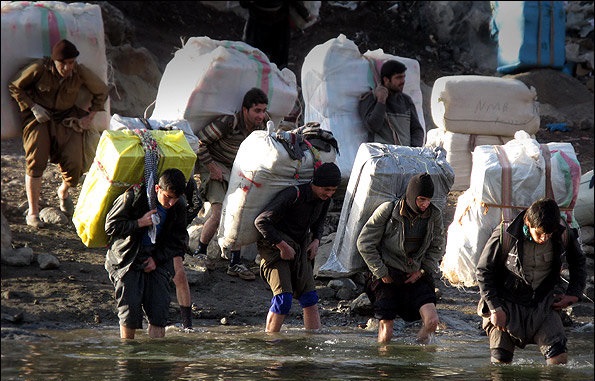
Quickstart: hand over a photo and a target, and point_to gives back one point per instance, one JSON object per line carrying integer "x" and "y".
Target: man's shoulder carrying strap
{"x": 298, "y": 193}
{"x": 506, "y": 241}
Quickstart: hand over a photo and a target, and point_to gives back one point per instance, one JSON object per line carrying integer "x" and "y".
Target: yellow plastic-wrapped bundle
{"x": 119, "y": 163}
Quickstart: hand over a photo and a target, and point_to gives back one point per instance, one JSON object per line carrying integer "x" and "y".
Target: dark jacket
{"x": 500, "y": 275}
{"x": 395, "y": 122}
{"x": 126, "y": 237}
{"x": 294, "y": 211}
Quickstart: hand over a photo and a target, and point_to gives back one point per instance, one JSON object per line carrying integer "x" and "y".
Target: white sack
{"x": 473, "y": 104}
{"x": 260, "y": 170}
{"x": 30, "y": 30}
{"x": 583, "y": 210}
{"x": 381, "y": 173}
{"x": 334, "y": 76}
{"x": 207, "y": 78}
{"x": 119, "y": 122}
{"x": 481, "y": 208}
{"x": 459, "y": 148}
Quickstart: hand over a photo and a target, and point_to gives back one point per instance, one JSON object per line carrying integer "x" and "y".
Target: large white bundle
{"x": 334, "y": 76}
{"x": 381, "y": 173}
{"x": 473, "y": 104}
{"x": 583, "y": 210}
{"x": 30, "y": 30}
{"x": 207, "y": 78}
{"x": 487, "y": 202}
{"x": 459, "y": 148}
{"x": 260, "y": 170}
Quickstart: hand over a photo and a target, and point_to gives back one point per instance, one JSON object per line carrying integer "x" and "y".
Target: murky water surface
{"x": 247, "y": 353}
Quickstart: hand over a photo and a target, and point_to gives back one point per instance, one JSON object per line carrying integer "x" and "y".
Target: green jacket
{"x": 381, "y": 241}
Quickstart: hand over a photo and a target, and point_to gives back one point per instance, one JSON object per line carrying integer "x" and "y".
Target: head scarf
{"x": 419, "y": 185}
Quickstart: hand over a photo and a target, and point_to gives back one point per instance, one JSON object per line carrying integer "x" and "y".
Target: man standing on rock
{"x": 389, "y": 114}
{"x": 292, "y": 225}
{"x": 46, "y": 91}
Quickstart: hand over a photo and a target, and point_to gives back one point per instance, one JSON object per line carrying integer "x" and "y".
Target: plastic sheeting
{"x": 381, "y": 173}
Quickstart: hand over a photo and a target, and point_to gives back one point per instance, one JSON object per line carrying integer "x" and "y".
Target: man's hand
{"x": 41, "y": 114}
{"x": 498, "y": 319}
{"x": 387, "y": 279}
{"x": 88, "y": 120}
{"x": 149, "y": 265}
{"x": 146, "y": 219}
{"x": 312, "y": 249}
{"x": 215, "y": 172}
{"x": 287, "y": 252}
{"x": 381, "y": 94}
{"x": 563, "y": 301}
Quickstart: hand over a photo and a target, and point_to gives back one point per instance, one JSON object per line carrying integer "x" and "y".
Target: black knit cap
{"x": 327, "y": 175}
{"x": 419, "y": 185}
{"x": 64, "y": 50}
{"x": 392, "y": 67}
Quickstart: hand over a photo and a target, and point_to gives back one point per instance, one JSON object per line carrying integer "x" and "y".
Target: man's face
{"x": 396, "y": 83}
{"x": 422, "y": 202}
{"x": 254, "y": 116}
{"x": 538, "y": 235}
{"x": 65, "y": 67}
{"x": 166, "y": 198}
{"x": 323, "y": 193}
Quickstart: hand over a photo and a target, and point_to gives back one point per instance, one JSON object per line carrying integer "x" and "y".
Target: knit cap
{"x": 327, "y": 175}
{"x": 64, "y": 50}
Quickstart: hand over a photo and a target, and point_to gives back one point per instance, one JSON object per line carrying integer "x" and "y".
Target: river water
{"x": 247, "y": 353}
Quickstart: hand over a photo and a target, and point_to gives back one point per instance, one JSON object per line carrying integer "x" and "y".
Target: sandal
{"x": 34, "y": 221}
{"x": 67, "y": 206}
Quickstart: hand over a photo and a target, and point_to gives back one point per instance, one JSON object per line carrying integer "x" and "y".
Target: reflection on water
{"x": 247, "y": 353}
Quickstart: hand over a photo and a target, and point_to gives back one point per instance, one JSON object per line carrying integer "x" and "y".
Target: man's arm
{"x": 372, "y": 112}
{"x": 435, "y": 252}
{"x": 487, "y": 269}
{"x": 96, "y": 87}
{"x": 370, "y": 238}
{"x": 22, "y": 81}
{"x": 273, "y": 212}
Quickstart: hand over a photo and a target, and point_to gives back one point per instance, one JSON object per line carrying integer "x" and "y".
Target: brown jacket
{"x": 40, "y": 83}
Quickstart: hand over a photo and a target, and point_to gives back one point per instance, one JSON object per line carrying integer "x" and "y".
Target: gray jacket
{"x": 381, "y": 241}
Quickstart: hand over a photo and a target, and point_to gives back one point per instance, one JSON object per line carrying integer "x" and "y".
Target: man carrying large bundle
{"x": 218, "y": 146}
{"x": 46, "y": 91}
{"x": 389, "y": 114}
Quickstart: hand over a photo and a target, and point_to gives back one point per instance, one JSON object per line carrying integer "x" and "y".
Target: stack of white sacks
{"x": 471, "y": 111}
{"x": 505, "y": 179}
